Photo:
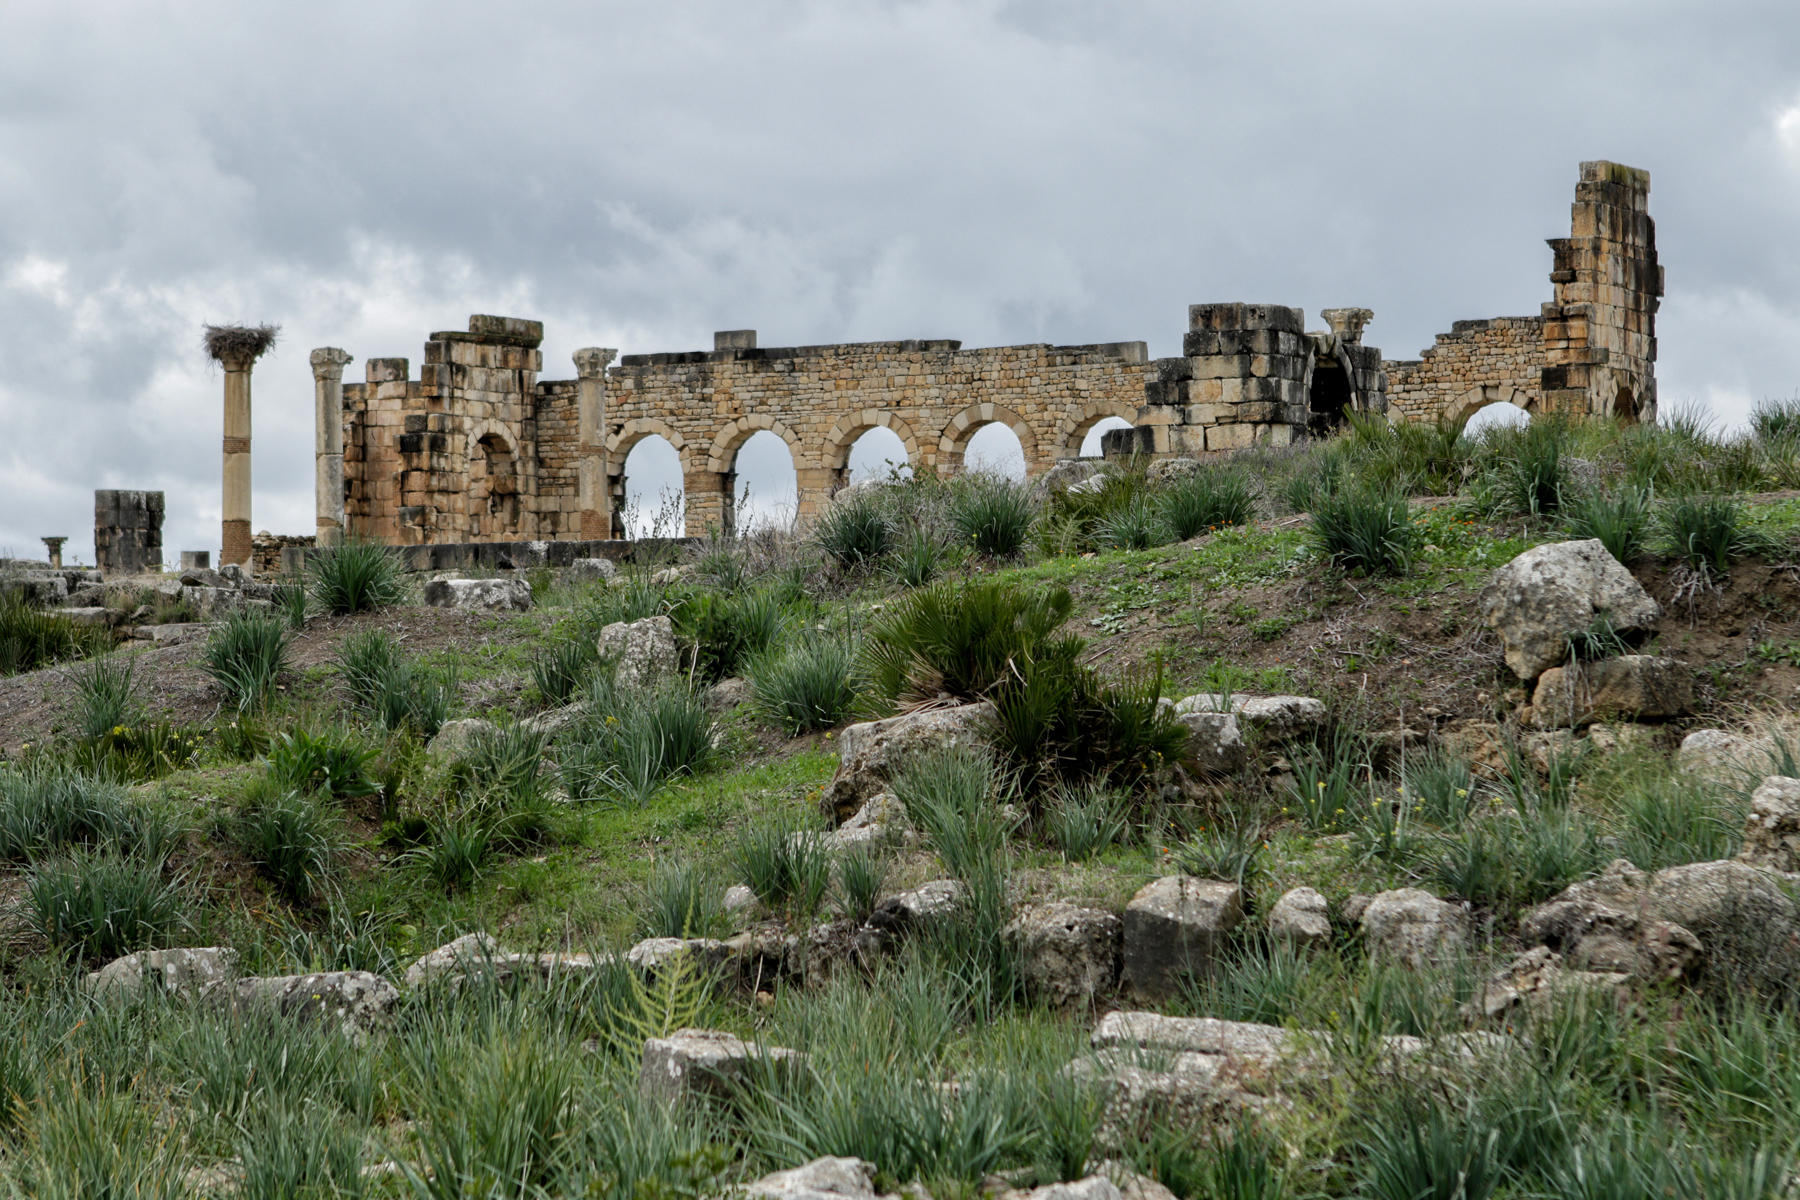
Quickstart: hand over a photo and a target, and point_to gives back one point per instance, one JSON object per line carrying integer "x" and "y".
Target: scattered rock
{"x": 741, "y": 905}
{"x": 553, "y": 722}
{"x": 690, "y": 1062}
{"x": 1214, "y": 741}
{"x": 1272, "y": 718}
{"x": 645, "y": 650}
{"x": 479, "y": 595}
{"x": 1632, "y": 686}
{"x": 1265, "y": 1044}
{"x": 1094, "y": 1187}
{"x": 880, "y": 824}
{"x": 1300, "y": 919}
{"x": 1534, "y": 981}
{"x": 1772, "y": 832}
{"x": 186, "y": 973}
{"x": 820, "y": 1179}
{"x": 455, "y": 738}
{"x": 591, "y": 570}
{"x": 1173, "y": 927}
{"x": 870, "y": 754}
{"x": 1413, "y": 927}
{"x": 1728, "y": 759}
{"x": 905, "y": 913}
{"x": 727, "y": 694}
{"x": 178, "y": 633}
{"x": 667, "y": 577}
{"x": 90, "y": 618}
{"x": 1065, "y": 475}
{"x": 651, "y": 954}
{"x": 1068, "y": 954}
{"x": 356, "y": 1002}
{"x": 474, "y": 955}
{"x": 1170, "y": 469}
{"x": 1550, "y": 593}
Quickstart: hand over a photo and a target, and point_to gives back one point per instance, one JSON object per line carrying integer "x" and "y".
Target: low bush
{"x": 355, "y": 576}
{"x": 1619, "y": 519}
{"x": 245, "y": 655}
{"x": 959, "y": 639}
{"x": 1774, "y": 420}
{"x": 1522, "y": 467}
{"x": 814, "y": 684}
{"x": 1210, "y": 498}
{"x": 855, "y": 528}
{"x": 98, "y": 906}
{"x": 919, "y": 557}
{"x": 1226, "y": 847}
{"x": 1365, "y": 531}
{"x": 138, "y": 752}
{"x": 400, "y": 692}
{"x": 1135, "y": 526}
{"x": 334, "y": 762}
{"x": 290, "y": 602}
{"x": 728, "y": 630}
{"x": 861, "y": 874}
{"x": 291, "y": 838}
{"x": 991, "y": 514}
{"x": 456, "y": 848}
{"x": 502, "y": 781}
{"x": 301, "y": 1152}
{"x": 49, "y": 810}
{"x": 786, "y": 865}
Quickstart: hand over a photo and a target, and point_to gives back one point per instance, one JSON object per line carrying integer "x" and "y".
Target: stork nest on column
{"x": 239, "y": 343}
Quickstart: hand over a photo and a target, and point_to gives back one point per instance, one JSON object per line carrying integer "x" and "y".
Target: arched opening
{"x": 654, "y": 496}
{"x": 1625, "y": 407}
{"x": 1090, "y": 445}
{"x": 1501, "y": 414}
{"x": 877, "y": 454}
{"x": 1328, "y": 400}
{"x": 766, "y": 488}
{"x": 493, "y": 490}
{"x": 994, "y": 449}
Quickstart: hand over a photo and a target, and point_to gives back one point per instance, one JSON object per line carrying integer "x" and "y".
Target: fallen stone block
{"x": 644, "y": 651}
{"x": 479, "y": 595}
{"x": 185, "y": 973}
{"x": 1412, "y": 927}
{"x": 356, "y": 1002}
{"x": 1549, "y": 594}
{"x": 1631, "y": 687}
{"x": 872, "y": 753}
{"x": 691, "y": 1062}
{"x": 1173, "y": 927}
{"x": 1068, "y": 955}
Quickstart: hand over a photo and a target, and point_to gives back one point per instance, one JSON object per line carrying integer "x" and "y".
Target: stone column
{"x": 234, "y": 536}
{"x": 54, "y": 545}
{"x": 328, "y": 443}
{"x": 596, "y": 519}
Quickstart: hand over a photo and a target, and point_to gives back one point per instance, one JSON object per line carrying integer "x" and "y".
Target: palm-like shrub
{"x": 30, "y": 638}
{"x": 958, "y": 639}
{"x": 355, "y": 576}
{"x": 727, "y": 630}
{"x": 332, "y": 762}
{"x": 992, "y": 514}
{"x": 1362, "y": 529}
{"x": 245, "y": 655}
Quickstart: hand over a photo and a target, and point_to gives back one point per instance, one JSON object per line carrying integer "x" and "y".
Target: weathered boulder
{"x": 176, "y": 633}
{"x": 185, "y": 973}
{"x": 1093, "y": 1187}
{"x": 1173, "y": 927}
{"x": 644, "y": 650}
{"x": 1214, "y": 741}
{"x": 91, "y": 618}
{"x": 1716, "y": 756}
{"x": 1534, "y": 981}
{"x": 1772, "y": 831}
{"x": 502, "y": 594}
{"x": 476, "y": 955}
{"x": 1065, "y": 475}
{"x": 555, "y": 720}
{"x": 1272, "y": 718}
{"x": 904, "y": 912}
{"x": 741, "y": 905}
{"x": 1068, "y": 954}
{"x": 1551, "y": 593}
{"x": 872, "y": 753}
{"x": 691, "y": 1062}
{"x": 39, "y": 589}
{"x": 1632, "y": 686}
{"x": 1413, "y": 927}
{"x": 356, "y": 1002}
{"x": 455, "y": 738}
{"x": 1244, "y": 1040}
{"x": 652, "y": 954}
{"x": 820, "y": 1179}
{"x": 880, "y": 824}
{"x": 727, "y": 694}
{"x": 592, "y": 570}
{"x": 1300, "y": 919}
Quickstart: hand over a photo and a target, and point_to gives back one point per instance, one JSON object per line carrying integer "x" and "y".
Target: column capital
{"x": 591, "y": 361}
{"x": 328, "y": 362}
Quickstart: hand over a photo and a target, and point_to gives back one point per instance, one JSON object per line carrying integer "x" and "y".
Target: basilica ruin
{"x": 478, "y": 448}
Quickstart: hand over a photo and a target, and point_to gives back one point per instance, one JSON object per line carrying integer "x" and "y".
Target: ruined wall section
{"x": 1477, "y": 363}
{"x": 933, "y": 395}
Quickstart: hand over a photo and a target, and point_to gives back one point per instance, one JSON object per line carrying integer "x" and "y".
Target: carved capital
{"x": 328, "y": 363}
{"x": 591, "y": 361}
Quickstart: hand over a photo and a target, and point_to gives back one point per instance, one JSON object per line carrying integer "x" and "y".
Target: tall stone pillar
{"x": 234, "y": 536}
{"x": 328, "y": 443}
{"x": 596, "y": 519}
{"x": 127, "y": 532}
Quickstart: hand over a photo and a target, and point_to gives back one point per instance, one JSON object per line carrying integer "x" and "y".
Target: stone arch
{"x": 494, "y": 483}
{"x": 1478, "y": 398}
{"x": 722, "y": 458}
{"x": 962, "y": 426}
{"x": 835, "y": 455}
{"x": 619, "y": 447}
{"x": 1077, "y": 423}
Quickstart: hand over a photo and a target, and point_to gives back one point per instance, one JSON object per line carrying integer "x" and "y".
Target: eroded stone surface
{"x": 872, "y": 753}
{"x": 1300, "y": 918}
{"x": 356, "y": 1002}
{"x": 820, "y": 1179}
{"x": 1173, "y": 927}
{"x": 644, "y": 650}
{"x": 1214, "y": 740}
{"x": 1772, "y": 831}
{"x": 187, "y": 973}
{"x": 1554, "y": 592}
{"x": 479, "y": 595}
{"x": 1413, "y": 927}
{"x": 1632, "y": 686}
{"x": 1068, "y": 954}
{"x": 693, "y": 1061}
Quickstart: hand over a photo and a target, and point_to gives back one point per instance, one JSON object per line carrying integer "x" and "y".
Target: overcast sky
{"x": 639, "y": 175}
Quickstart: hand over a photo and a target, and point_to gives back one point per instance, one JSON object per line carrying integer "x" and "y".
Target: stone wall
{"x": 128, "y": 531}
{"x": 1477, "y": 363}
{"x": 267, "y": 550}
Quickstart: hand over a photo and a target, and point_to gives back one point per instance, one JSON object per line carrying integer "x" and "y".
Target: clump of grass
{"x": 861, "y": 874}
{"x": 399, "y": 692}
{"x": 329, "y": 761}
{"x": 634, "y": 741}
{"x": 1210, "y": 498}
{"x": 1366, "y": 531}
{"x": 245, "y": 655}
{"x": 48, "y": 810}
{"x": 355, "y": 576}
{"x": 1708, "y": 533}
{"x": 727, "y": 630}
{"x": 98, "y": 906}
{"x": 919, "y": 557}
{"x": 680, "y": 900}
{"x": 958, "y": 640}
{"x": 31, "y": 638}
{"x": 456, "y": 848}
{"x": 291, "y": 838}
{"x": 104, "y": 697}
{"x": 814, "y": 684}
{"x": 1774, "y": 420}
{"x": 991, "y": 514}
{"x": 1620, "y": 519}
{"x": 1523, "y": 468}
{"x": 855, "y": 529}
{"x": 1225, "y": 848}
{"x": 297, "y": 1152}
{"x": 1085, "y": 819}
{"x": 502, "y": 779}
{"x": 787, "y": 866}
{"x": 1135, "y": 526}
{"x": 560, "y": 669}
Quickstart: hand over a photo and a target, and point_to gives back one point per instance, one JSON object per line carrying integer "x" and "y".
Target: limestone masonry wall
{"x": 479, "y": 450}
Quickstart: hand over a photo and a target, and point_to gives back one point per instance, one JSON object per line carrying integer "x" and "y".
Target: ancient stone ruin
{"x": 479, "y": 449}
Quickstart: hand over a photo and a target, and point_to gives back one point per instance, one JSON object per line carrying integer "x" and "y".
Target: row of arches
{"x": 755, "y": 458}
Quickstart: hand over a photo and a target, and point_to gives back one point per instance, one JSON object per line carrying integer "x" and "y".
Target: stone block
{"x": 1631, "y": 687}
{"x": 1068, "y": 954}
{"x": 694, "y": 1062}
{"x": 1173, "y": 927}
